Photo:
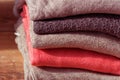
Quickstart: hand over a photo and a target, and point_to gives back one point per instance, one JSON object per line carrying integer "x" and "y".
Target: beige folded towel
{"x": 44, "y": 9}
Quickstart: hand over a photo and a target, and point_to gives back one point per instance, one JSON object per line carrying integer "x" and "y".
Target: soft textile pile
{"x": 67, "y": 40}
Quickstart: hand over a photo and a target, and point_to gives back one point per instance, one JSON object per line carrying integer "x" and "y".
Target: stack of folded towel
{"x": 69, "y": 39}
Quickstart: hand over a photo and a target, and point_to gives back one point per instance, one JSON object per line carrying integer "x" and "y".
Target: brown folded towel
{"x": 104, "y": 23}
{"x": 46, "y": 73}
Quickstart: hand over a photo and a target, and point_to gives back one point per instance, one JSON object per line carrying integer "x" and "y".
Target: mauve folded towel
{"x": 70, "y": 58}
{"x": 45, "y": 73}
{"x": 85, "y": 40}
{"x": 104, "y": 23}
{"x": 44, "y": 9}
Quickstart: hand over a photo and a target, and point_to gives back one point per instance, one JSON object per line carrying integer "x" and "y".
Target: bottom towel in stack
{"x": 46, "y": 73}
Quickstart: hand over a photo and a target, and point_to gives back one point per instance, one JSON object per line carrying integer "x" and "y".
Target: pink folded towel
{"x": 69, "y": 58}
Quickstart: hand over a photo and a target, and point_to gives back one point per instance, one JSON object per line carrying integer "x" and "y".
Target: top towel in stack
{"x": 44, "y": 9}
{"x": 78, "y": 24}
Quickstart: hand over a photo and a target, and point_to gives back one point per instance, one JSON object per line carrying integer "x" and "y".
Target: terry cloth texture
{"x": 99, "y": 42}
{"x": 104, "y": 23}
{"x": 70, "y": 58}
{"x": 47, "y": 73}
{"x": 44, "y": 9}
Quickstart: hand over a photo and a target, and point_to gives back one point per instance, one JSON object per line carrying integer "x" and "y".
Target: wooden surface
{"x": 7, "y": 18}
{"x": 11, "y": 62}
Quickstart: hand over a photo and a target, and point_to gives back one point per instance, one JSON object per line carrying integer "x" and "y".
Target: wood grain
{"x": 11, "y": 62}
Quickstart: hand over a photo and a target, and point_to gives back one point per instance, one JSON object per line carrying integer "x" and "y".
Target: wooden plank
{"x": 11, "y": 61}
{"x": 7, "y": 19}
